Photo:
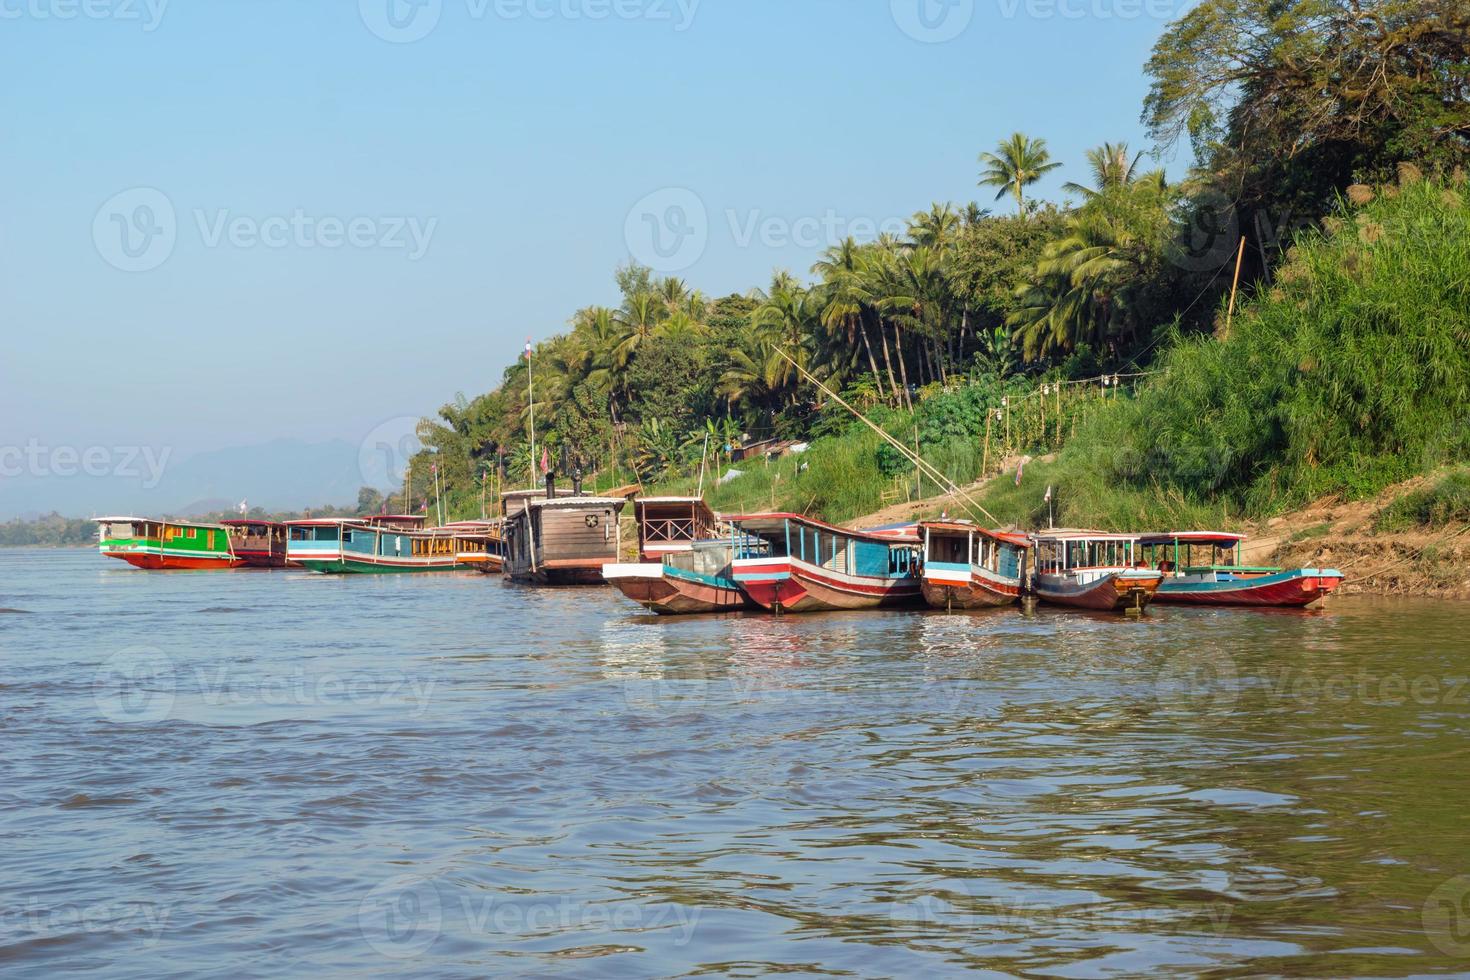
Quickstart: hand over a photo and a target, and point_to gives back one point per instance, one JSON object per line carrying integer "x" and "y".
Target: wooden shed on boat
{"x": 669, "y": 525}
{"x": 555, "y": 540}
{"x": 258, "y": 543}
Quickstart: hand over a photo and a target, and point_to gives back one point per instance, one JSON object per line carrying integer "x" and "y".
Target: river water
{"x": 276, "y": 774}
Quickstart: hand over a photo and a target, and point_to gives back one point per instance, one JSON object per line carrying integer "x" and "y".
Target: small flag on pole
{"x": 545, "y": 461}
{"x": 528, "y": 348}
{"x": 1048, "y": 495}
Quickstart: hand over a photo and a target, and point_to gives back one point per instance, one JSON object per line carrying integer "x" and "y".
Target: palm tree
{"x": 1111, "y": 167}
{"x": 936, "y": 227}
{"x": 845, "y": 292}
{"x": 637, "y": 319}
{"x": 1017, "y": 163}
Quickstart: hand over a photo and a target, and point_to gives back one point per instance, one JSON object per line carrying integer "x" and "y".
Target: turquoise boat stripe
{"x": 715, "y": 581}
{"x": 1231, "y": 585}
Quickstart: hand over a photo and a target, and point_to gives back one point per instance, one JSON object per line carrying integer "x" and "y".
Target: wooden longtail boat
{"x": 1221, "y": 580}
{"x": 968, "y": 567}
{"x": 1093, "y": 570}
{"x": 158, "y": 544}
{"x": 258, "y": 543}
{"x": 790, "y": 563}
{"x": 698, "y": 580}
{"x": 552, "y": 540}
{"x": 377, "y": 545}
{"x": 668, "y": 525}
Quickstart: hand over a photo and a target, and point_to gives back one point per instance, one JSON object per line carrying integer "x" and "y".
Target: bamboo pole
{"x": 918, "y": 461}
{"x": 1234, "y": 287}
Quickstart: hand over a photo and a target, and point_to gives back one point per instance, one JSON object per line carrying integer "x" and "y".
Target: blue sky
{"x": 233, "y": 221}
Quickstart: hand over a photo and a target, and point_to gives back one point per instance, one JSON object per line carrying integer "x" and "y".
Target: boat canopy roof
{"x": 416, "y": 520}
{"x": 965, "y": 527}
{"x": 1070, "y": 534}
{"x": 327, "y": 522}
{"x": 776, "y": 524}
{"x": 1219, "y": 539}
{"x": 616, "y": 503}
{"x": 251, "y": 522}
{"x": 671, "y": 503}
{"x": 156, "y": 520}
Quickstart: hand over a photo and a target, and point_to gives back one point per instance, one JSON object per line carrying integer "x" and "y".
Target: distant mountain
{"x": 286, "y": 474}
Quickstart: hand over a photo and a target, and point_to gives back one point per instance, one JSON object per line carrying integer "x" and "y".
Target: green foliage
{"x": 1444, "y": 501}
{"x": 1351, "y": 373}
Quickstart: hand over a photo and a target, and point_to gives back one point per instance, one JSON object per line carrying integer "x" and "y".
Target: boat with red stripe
{"x": 969, "y": 567}
{"x": 1203, "y": 568}
{"x": 792, "y": 563}
{"x": 1093, "y": 570}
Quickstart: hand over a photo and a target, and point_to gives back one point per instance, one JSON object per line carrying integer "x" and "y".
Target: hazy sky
{"x": 231, "y": 221}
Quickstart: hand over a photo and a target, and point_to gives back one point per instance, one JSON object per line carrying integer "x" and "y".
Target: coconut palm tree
{"x": 1017, "y": 163}
{"x": 1111, "y": 167}
{"x": 845, "y": 295}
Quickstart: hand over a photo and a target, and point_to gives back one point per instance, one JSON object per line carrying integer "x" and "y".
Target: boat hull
{"x": 963, "y": 587}
{"x": 562, "y": 572}
{"x": 261, "y": 558}
{"x": 791, "y": 585}
{"x": 674, "y": 592}
{"x": 158, "y": 561}
{"x": 1295, "y": 589}
{"x": 367, "y": 566}
{"x": 1113, "y": 592}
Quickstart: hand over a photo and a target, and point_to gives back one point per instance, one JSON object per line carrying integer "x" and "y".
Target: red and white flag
{"x": 545, "y": 461}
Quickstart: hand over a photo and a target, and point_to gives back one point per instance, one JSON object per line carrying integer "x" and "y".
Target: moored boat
{"x": 1093, "y": 570}
{"x": 1221, "y": 580}
{"x": 258, "y": 543}
{"x": 969, "y": 567}
{"x": 791, "y": 563}
{"x": 561, "y": 540}
{"x": 479, "y": 545}
{"x": 146, "y": 542}
{"x": 698, "y": 580}
{"x": 377, "y": 545}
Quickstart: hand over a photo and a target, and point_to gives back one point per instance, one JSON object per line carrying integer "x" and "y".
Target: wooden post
{"x": 1234, "y": 287}
{"x": 985, "y": 464}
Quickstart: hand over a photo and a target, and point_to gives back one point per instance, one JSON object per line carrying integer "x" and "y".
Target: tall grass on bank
{"x": 1349, "y": 373}
{"x": 1444, "y": 501}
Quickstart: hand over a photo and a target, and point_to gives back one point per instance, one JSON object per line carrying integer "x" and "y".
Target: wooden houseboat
{"x": 969, "y": 567}
{"x": 696, "y": 580}
{"x": 790, "y": 563}
{"x": 667, "y": 525}
{"x": 1093, "y": 570}
{"x": 381, "y": 544}
{"x": 258, "y": 543}
{"x": 150, "y": 543}
{"x": 1203, "y": 568}
{"x": 561, "y": 540}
